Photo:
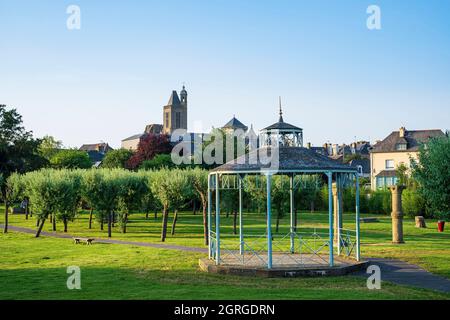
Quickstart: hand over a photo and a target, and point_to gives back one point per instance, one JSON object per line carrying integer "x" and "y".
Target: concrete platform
{"x": 310, "y": 266}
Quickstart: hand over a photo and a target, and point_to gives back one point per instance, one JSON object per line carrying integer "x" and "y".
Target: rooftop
{"x": 412, "y": 139}
{"x": 290, "y": 159}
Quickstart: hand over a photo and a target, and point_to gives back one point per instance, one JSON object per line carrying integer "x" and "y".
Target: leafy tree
{"x": 117, "y": 158}
{"x": 14, "y": 190}
{"x": 198, "y": 179}
{"x": 68, "y": 190}
{"x": 170, "y": 187}
{"x": 41, "y": 189}
{"x": 158, "y": 162}
{"x": 132, "y": 189}
{"x": 49, "y": 147}
{"x": 280, "y": 197}
{"x": 432, "y": 172}
{"x": 105, "y": 195}
{"x": 148, "y": 200}
{"x": 71, "y": 159}
{"x": 18, "y": 149}
{"x": 150, "y": 146}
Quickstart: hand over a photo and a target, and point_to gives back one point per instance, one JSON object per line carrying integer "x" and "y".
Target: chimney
{"x": 402, "y": 132}
{"x": 335, "y": 149}
{"x": 308, "y": 145}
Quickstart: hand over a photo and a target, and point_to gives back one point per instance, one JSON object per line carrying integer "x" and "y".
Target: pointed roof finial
{"x": 281, "y": 111}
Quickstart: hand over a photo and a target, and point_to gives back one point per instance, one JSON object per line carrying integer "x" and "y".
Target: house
{"x": 362, "y": 165}
{"x": 96, "y": 151}
{"x": 233, "y": 125}
{"x": 397, "y": 148}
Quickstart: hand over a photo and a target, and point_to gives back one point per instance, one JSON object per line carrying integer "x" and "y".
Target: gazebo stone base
{"x": 343, "y": 267}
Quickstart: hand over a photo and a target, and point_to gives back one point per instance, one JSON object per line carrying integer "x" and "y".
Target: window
{"x": 390, "y": 164}
{"x": 177, "y": 120}
{"x": 167, "y": 119}
{"x": 360, "y": 170}
{"x": 400, "y": 146}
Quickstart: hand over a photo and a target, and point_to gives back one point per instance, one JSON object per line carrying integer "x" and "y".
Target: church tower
{"x": 175, "y": 112}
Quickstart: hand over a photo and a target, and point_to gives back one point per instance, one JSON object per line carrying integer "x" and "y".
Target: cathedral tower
{"x": 175, "y": 112}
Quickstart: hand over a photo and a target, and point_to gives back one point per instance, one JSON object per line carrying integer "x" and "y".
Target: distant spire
{"x": 281, "y": 112}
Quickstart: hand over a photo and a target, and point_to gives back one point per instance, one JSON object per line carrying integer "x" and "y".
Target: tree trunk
{"x": 194, "y": 207}
{"x": 51, "y": 218}
{"x": 420, "y": 222}
{"x": 37, "y": 222}
{"x": 26, "y": 211}
{"x": 113, "y": 218}
{"x": 125, "y": 220}
{"x": 90, "y": 218}
{"x": 312, "y": 207}
{"x": 234, "y": 222}
{"x": 146, "y": 215}
{"x": 65, "y": 224}
{"x": 174, "y": 222}
{"x": 54, "y": 222}
{"x": 101, "y": 224}
{"x": 205, "y": 224}
{"x": 5, "y": 228}
{"x": 164, "y": 224}
{"x": 109, "y": 224}
{"x": 41, "y": 225}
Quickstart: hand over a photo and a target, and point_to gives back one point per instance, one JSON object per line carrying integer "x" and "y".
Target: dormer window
{"x": 400, "y": 146}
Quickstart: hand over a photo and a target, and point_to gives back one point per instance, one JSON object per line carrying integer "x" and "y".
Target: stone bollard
{"x": 397, "y": 214}
{"x": 337, "y": 222}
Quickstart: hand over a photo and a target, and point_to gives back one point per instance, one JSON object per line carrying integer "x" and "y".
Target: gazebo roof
{"x": 291, "y": 159}
{"x": 281, "y": 125}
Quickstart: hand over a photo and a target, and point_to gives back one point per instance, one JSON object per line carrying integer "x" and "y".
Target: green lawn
{"x": 36, "y": 268}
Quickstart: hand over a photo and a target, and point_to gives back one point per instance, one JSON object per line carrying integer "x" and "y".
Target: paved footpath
{"x": 395, "y": 271}
{"x": 401, "y": 272}
{"x": 140, "y": 244}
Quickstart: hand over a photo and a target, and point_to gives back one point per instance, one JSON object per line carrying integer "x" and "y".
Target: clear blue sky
{"x": 338, "y": 79}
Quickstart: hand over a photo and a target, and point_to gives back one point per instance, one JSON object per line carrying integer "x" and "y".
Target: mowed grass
{"x": 425, "y": 247}
{"x": 36, "y": 269}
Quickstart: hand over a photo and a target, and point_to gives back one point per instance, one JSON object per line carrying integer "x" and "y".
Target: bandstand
{"x": 303, "y": 250}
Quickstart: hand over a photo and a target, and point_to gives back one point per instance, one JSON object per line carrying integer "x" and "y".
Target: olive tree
{"x": 68, "y": 186}
{"x": 132, "y": 188}
{"x": 13, "y": 191}
{"x": 103, "y": 188}
{"x": 41, "y": 190}
{"x": 170, "y": 187}
{"x": 198, "y": 179}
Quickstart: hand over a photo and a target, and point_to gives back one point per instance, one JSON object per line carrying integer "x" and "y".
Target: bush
{"x": 413, "y": 203}
{"x": 380, "y": 202}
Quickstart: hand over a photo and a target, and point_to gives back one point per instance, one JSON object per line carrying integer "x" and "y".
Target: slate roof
{"x": 235, "y": 124}
{"x": 99, "y": 147}
{"x": 413, "y": 139}
{"x": 281, "y": 125}
{"x": 364, "y": 163}
{"x": 386, "y": 173}
{"x": 174, "y": 100}
{"x": 290, "y": 159}
{"x": 134, "y": 137}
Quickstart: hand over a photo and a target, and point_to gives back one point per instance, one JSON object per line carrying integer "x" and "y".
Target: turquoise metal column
{"x": 269, "y": 223}
{"x": 291, "y": 194}
{"x": 241, "y": 231}
{"x": 339, "y": 211}
{"x": 217, "y": 220}
{"x": 358, "y": 243}
{"x": 209, "y": 218}
{"x": 330, "y": 216}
